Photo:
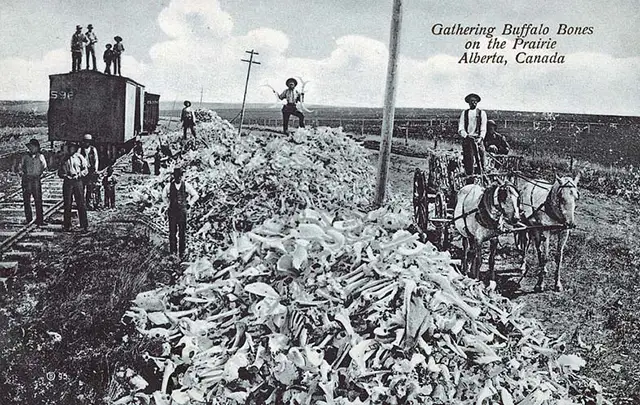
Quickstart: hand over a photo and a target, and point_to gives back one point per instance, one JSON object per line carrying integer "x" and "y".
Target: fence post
{"x": 406, "y": 135}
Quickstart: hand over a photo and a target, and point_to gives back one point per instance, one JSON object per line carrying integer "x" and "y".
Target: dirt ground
{"x": 598, "y": 312}
{"x": 63, "y": 338}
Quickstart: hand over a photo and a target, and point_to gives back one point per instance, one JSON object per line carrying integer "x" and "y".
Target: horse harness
{"x": 483, "y": 216}
{"x": 548, "y": 206}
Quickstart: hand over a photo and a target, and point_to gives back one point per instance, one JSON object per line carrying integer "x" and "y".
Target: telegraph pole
{"x": 389, "y": 104}
{"x": 246, "y": 85}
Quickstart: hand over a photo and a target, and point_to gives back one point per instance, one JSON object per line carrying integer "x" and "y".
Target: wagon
{"x": 435, "y": 193}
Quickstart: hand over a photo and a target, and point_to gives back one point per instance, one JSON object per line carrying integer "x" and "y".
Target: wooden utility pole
{"x": 246, "y": 85}
{"x": 389, "y": 104}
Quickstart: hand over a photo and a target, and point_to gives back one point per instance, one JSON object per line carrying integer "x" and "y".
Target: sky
{"x": 178, "y": 48}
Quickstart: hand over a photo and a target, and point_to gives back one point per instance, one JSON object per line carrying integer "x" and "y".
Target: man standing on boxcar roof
{"x": 32, "y": 166}
{"x": 472, "y": 127}
{"x": 72, "y": 170}
{"x": 77, "y": 43}
{"x": 90, "y": 49}
{"x": 90, "y": 153}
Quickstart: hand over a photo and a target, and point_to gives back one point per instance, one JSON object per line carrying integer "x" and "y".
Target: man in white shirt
{"x": 90, "y": 48}
{"x": 180, "y": 196}
{"x": 90, "y": 153}
{"x": 32, "y": 166}
{"x": 72, "y": 170}
{"x": 292, "y": 96}
{"x": 472, "y": 127}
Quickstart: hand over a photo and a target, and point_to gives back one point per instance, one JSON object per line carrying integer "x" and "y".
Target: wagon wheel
{"x": 440, "y": 208}
{"x": 420, "y": 201}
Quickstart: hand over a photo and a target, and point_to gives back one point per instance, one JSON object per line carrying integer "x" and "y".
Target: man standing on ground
{"x": 77, "y": 43}
{"x": 72, "y": 171}
{"x": 180, "y": 196}
{"x": 32, "y": 166}
{"x": 292, "y": 96}
{"x": 188, "y": 119}
{"x": 472, "y": 127}
{"x": 90, "y": 153}
{"x": 90, "y": 49}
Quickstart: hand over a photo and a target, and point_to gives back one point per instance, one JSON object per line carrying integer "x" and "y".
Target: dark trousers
{"x": 187, "y": 126}
{"x": 72, "y": 190}
{"x": 89, "y": 49}
{"x": 177, "y": 225}
{"x": 31, "y": 187}
{"x": 76, "y": 61}
{"x": 89, "y": 190}
{"x": 109, "y": 196}
{"x": 469, "y": 160}
{"x": 287, "y": 111}
{"x": 116, "y": 65}
{"x": 107, "y": 67}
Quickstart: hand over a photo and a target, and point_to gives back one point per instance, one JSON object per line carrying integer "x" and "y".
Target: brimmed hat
{"x": 291, "y": 79}
{"x": 87, "y": 137}
{"x": 71, "y": 143}
{"x": 470, "y": 96}
{"x": 492, "y": 122}
{"x": 90, "y": 26}
{"x": 117, "y": 38}
{"x": 33, "y": 142}
{"x": 108, "y": 45}
{"x": 187, "y": 103}
{"x": 78, "y": 27}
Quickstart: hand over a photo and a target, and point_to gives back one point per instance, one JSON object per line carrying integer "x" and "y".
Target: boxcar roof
{"x": 93, "y": 72}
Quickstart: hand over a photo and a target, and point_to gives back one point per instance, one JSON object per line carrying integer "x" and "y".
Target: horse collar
{"x": 483, "y": 216}
{"x": 550, "y": 207}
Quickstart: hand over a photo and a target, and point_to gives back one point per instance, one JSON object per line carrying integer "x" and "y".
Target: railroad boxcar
{"x": 151, "y": 112}
{"x": 110, "y": 108}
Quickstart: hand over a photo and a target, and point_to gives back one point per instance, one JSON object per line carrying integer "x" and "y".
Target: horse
{"x": 479, "y": 216}
{"x": 547, "y": 204}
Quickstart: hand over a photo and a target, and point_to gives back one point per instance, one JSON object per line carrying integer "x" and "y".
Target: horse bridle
{"x": 548, "y": 206}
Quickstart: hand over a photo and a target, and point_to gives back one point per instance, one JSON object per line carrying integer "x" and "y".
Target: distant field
{"x": 608, "y": 140}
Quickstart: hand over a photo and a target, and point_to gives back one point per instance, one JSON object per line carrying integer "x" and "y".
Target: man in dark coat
{"x": 494, "y": 142}
{"x": 77, "y": 44}
{"x": 180, "y": 196}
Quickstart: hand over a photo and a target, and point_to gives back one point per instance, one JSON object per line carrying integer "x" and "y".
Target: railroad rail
{"x": 18, "y": 240}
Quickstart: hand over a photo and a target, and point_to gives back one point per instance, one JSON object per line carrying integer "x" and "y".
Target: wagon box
{"x": 108, "y": 107}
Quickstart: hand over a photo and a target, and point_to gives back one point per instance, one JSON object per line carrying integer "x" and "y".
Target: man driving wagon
{"x": 472, "y": 127}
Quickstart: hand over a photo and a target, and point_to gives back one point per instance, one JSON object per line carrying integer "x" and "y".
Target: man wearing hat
{"x": 90, "y": 49}
{"x": 180, "y": 196}
{"x": 494, "y": 142}
{"x": 32, "y": 166}
{"x": 90, "y": 153}
{"x": 188, "y": 119}
{"x": 118, "y": 48}
{"x": 472, "y": 127}
{"x": 292, "y": 96}
{"x": 77, "y": 43}
{"x": 72, "y": 170}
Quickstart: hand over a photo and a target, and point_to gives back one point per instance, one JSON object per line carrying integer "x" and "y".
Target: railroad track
{"x": 20, "y": 241}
